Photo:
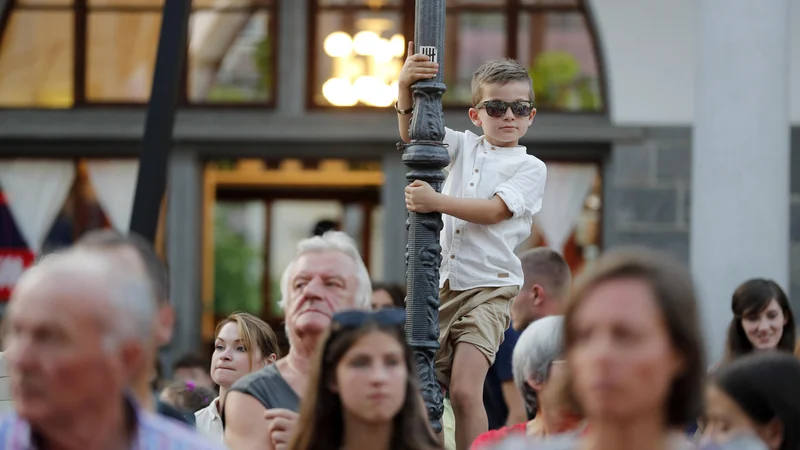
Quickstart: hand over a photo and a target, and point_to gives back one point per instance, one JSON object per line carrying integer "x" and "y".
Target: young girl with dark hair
{"x": 362, "y": 392}
{"x": 759, "y": 395}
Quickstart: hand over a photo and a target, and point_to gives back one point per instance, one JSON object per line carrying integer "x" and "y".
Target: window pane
{"x": 359, "y": 57}
{"x": 472, "y": 39}
{"x": 136, "y": 3}
{"x": 224, "y": 4}
{"x": 550, "y": 2}
{"x": 230, "y": 57}
{"x": 239, "y": 231}
{"x": 44, "y": 2}
{"x": 557, "y": 48}
{"x": 476, "y": 2}
{"x": 370, "y": 3}
{"x": 292, "y": 221}
{"x": 36, "y": 60}
{"x": 121, "y": 55}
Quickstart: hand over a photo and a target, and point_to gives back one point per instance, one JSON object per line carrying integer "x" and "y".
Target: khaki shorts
{"x": 477, "y": 316}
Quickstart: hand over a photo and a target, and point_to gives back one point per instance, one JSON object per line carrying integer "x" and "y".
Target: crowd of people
{"x": 613, "y": 360}
{"x": 527, "y": 357}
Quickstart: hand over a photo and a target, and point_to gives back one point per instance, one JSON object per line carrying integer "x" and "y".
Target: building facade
{"x": 285, "y": 120}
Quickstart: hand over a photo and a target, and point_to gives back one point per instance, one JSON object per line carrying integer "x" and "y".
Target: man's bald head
{"x": 546, "y": 267}
{"x": 76, "y": 334}
{"x": 122, "y": 302}
{"x": 544, "y": 289}
{"x": 134, "y": 253}
{"x": 153, "y": 266}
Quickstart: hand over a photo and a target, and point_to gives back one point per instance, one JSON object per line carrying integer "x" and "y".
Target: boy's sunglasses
{"x": 387, "y": 317}
{"x": 498, "y": 108}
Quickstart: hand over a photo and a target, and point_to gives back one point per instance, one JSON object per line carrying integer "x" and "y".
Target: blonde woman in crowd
{"x": 243, "y": 344}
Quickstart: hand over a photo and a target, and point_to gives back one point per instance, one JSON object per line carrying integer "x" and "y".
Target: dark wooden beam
{"x": 160, "y": 120}
{"x": 5, "y": 13}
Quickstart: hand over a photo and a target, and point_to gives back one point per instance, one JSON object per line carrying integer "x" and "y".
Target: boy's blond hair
{"x": 499, "y": 71}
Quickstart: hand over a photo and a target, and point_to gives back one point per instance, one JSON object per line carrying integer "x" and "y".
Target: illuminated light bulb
{"x": 339, "y": 92}
{"x": 338, "y": 44}
{"x": 366, "y": 43}
{"x": 384, "y": 52}
{"x": 373, "y": 92}
{"x": 398, "y": 45}
{"x": 386, "y": 96}
{"x": 367, "y": 88}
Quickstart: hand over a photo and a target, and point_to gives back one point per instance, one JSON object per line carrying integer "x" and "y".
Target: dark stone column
{"x": 425, "y": 156}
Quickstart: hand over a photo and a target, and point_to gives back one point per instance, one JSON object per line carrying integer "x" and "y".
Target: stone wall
{"x": 647, "y": 192}
{"x": 647, "y": 195}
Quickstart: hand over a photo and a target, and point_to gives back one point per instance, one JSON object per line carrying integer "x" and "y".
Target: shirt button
{"x": 452, "y": 256}
{"x": 476, "y": 170}
{"x": 492, "y": 148}
{"x": 458, "y": 231}
{"x": 472, "y": 184}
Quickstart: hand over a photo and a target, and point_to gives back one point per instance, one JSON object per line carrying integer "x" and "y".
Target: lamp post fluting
{"x": 426, "y": 156}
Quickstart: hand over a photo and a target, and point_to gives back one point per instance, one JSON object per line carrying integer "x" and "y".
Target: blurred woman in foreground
{"x": 634, "y": 354}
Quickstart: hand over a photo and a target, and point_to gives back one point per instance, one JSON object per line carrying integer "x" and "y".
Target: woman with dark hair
{"x": 758, "y": 395}
{"x": 362, "y": 391}
{"x": 386, "y": 295}
{"x": 634, "y": 354}
{"x": 762, "y": 319}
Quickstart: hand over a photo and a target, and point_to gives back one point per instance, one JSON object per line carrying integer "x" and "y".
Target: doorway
{"x": 256, "y": 211}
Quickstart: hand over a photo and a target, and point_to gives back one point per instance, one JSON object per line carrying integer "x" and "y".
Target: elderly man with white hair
{"x": 326, "y": 275}
{"x": 539, "y": 374}
{"x": 77, "y": 333}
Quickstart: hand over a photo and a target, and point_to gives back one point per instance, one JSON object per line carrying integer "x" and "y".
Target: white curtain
{"x": 35, "y": 191}
{"x": 564, "y": 195}
{"x": 114, "y": 183}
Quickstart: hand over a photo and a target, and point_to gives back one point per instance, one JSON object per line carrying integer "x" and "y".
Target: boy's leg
{"x": 476, "y": 335}
{"x": 470, "y": 367}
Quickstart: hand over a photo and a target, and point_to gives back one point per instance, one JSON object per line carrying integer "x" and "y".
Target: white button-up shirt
{"x": 209, "y": 422}
{"x": 483, "y": 255}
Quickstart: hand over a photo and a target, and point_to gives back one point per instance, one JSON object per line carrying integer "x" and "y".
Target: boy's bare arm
{"x": 417, "y": 67}
{"x": 421, "y": 197}
{"x": 475, "y": 210}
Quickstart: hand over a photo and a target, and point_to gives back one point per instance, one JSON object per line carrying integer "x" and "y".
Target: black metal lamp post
{"x": 425, "y": 156}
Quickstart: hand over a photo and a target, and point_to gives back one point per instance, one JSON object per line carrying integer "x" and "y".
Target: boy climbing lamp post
{"x": 426, "y": 156}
